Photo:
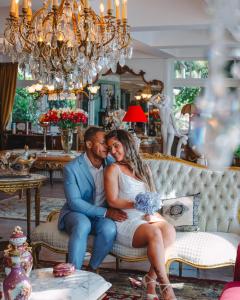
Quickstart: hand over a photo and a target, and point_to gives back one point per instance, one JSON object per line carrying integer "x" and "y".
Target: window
{"x": 183, "y": 96}
{"x": 188, "y": 83}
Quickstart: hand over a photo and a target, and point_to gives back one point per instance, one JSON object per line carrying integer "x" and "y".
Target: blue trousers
{"x": 79, "y": 226}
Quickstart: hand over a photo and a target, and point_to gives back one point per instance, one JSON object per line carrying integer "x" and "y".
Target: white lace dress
{"x": 129, "y": 187}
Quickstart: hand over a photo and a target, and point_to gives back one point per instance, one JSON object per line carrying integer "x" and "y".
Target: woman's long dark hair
{"x": 132, "y": 158}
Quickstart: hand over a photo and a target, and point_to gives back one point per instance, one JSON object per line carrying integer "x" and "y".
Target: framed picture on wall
{"x": 107, "y": 95}
{"x": 23, "y": 127}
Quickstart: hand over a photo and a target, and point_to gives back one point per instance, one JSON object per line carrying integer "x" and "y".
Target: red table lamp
{"x": 135, "y": 113}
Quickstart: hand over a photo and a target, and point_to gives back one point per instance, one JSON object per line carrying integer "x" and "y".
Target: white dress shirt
{"x": 97, "y": 175}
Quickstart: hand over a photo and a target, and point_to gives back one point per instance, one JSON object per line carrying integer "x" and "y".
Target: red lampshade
{"x": 135, "y": 113}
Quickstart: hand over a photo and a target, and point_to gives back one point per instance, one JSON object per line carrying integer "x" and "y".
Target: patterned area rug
{"x": 15, "y": 208}
{"x": 184, "y": 288}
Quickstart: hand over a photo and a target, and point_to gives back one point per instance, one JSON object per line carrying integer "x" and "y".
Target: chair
{"x": 231, "y": 290}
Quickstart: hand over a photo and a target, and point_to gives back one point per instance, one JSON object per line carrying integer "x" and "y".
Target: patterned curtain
{"x": 8, "y": 81}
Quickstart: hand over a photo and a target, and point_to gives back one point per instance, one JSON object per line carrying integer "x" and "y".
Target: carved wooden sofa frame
{"x": 219, "y": 217}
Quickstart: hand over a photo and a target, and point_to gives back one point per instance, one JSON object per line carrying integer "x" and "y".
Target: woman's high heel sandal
{"x": 163, "y": 288}
{"x": 148, "y": 280}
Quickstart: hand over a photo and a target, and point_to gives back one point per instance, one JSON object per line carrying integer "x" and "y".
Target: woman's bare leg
{"x": 149, "y": 235}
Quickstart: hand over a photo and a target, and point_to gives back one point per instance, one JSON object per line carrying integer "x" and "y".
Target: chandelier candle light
{"x": 67, "y": 43}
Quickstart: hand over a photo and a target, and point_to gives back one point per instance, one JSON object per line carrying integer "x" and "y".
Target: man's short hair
{"x": 91, "y": 132}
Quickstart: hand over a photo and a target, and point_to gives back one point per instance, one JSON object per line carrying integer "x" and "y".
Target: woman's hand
{"x": 152, "y": 218}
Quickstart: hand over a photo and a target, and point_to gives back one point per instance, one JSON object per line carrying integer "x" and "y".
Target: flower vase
{"x": 18, "y": 242}
{"x": 16, "y": 286}
{"x": 66, "y": 139}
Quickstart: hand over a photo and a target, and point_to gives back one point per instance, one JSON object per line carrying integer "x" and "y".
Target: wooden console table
{"x": 34, "y": 181}
{"x": 34, "y": 141}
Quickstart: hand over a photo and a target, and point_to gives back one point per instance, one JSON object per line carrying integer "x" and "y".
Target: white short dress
{"x": 129, "y": 187}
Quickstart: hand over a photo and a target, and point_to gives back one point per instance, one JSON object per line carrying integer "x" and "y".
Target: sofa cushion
{"x": 197, "y": 248}
{"x": 49, "y": 234}
{"x": 182, "y": 212}
{"x": 205, "y": 248}
{"x": 220, "y": 201}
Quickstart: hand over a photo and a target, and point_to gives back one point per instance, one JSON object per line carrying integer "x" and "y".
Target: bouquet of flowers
{"x": 64, "y": 118}
{"x": 148, "y": 202}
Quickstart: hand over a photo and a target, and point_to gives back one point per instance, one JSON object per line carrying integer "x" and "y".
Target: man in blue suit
{"x": 85, "y": 211}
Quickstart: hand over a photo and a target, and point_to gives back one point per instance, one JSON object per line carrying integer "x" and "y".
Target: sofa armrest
{"x": 237, "y": 266}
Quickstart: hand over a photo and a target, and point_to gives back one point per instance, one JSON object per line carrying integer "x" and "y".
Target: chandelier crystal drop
{"x": 68, "y": 44}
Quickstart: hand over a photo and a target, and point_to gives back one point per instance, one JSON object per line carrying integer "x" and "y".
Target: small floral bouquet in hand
{"x": 148, "y": 202}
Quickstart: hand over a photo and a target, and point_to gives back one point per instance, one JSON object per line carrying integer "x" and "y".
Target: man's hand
{"x": 116, "y": 214}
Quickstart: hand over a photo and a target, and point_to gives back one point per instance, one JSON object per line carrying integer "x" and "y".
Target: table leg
{"x": 51, "y": 177}
{"x": 20, "y": 194}
{"x": 37, "y": 206}
{"x": 28, "y": 199}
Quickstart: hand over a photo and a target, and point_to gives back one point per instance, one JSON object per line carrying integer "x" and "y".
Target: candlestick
{"x": 117, "y": 9}
{"x": 44, "y": 126}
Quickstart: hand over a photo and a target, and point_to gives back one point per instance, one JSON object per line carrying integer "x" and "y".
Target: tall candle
{"x": 29, "y": 13}
{"x": 25, "y": 4}
{"x": 109, "y": 5}
{"x": 86, "y": 4}
{"x": 13, "y": 8}
{"x": 101, "y": 9}
{"x": 17, "y": 15}
{"x": 117, "y": 9}
{"x": 124, "y": 9}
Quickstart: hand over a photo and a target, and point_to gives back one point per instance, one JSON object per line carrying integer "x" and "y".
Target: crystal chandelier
{"x": 215, "y": 131}
{"x": 67, "y": 44}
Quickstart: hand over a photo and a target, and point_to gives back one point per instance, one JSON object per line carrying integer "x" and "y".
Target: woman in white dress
{"x": 123, "y": 180}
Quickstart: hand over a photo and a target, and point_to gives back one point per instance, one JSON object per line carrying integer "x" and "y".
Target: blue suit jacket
{"x": 79, "y": 189}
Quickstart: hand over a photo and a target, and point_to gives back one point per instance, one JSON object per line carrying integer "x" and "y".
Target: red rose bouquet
{"x": 64, "y": 118}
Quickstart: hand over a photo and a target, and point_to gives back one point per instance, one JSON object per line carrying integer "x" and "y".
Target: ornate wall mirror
{"x": 131, "y": 85}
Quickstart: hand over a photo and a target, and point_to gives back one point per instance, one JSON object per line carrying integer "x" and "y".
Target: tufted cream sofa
{"x": 215, "y": 245}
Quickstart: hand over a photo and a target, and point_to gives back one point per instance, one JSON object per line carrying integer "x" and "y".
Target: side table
{"x": 34, "y": 181}
{"x": 80, "y": 285}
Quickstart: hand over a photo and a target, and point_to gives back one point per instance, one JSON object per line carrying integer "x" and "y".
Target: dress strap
{"x": 119, "y": 169}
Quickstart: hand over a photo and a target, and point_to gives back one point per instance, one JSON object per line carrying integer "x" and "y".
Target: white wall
{"x": 154, "y": 67}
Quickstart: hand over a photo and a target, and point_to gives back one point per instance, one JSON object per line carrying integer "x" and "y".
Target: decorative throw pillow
{"x": 182, "y": 212}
